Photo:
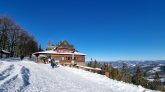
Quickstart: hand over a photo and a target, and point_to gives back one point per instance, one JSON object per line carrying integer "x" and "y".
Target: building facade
{"x": 63, "y": 52}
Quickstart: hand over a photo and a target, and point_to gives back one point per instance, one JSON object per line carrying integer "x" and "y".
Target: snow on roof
{"x": 55, "y": 52}
{"x": 47, "y": 52}
{"x": 5, "y": 51}
{"x": 75, "y": 53}
{"x": 42, "y": 56}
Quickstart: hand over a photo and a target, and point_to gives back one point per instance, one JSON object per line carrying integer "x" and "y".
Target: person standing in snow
{"x": 22, "y": 57}
{"x": 52, "y": 62}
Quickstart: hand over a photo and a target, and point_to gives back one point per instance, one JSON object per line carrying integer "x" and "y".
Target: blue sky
{"x": 103, "y": 29}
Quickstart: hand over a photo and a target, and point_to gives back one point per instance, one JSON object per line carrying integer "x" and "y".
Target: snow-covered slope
{"x": 27, "y": 76}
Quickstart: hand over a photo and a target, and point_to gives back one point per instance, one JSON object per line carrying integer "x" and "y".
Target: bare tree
{"x": 15, "y": 39}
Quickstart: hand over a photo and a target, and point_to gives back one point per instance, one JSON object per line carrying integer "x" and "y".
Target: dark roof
{"x": 65, "y": 45}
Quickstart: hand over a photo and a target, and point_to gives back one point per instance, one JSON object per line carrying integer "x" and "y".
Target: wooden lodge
{"x": 63, "y": 53}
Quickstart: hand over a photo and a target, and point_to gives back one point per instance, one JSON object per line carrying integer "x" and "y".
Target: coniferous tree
{"x": 89, "y": 64}
{"x": 95, "y": 64}
{"x": 138, "y": 78}
{"x": 157, "y": 85}
{"x": 110, "y": 68}
{"x": 40, "y": 48}
{"x": 115, "y": 74}
{"x": 125, "y": 74}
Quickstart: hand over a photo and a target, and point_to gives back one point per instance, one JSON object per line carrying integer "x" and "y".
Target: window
{"x": 62, "y": 58}
{"x": 69, "y": 58}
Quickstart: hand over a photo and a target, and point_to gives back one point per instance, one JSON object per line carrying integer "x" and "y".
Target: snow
{"x": 75, "y": 53}
{"x": 55, "y": 52}
{"x": 161, "y": 64}
{"x": 27, "y": 76}
{"x": 5, "y": 51}
{"x": 78, "y": 53}
{"x": 155, "y": 69}
{"x": 47, "y": 52}
{"x": 162, "y": 79}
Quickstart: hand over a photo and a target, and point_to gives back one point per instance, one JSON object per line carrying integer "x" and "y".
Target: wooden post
{"x": 37, "y": 57}
{"x": 107, "y": 74}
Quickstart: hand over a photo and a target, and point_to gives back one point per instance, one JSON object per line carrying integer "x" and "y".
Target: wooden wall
{"x": 68, "y": 58}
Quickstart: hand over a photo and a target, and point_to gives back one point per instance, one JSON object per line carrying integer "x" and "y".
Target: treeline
{"x": 15, "y": 39}
{"x": 137, "y": 78}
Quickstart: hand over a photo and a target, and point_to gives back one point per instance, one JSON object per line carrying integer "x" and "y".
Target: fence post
{"x": 107, "y": 74}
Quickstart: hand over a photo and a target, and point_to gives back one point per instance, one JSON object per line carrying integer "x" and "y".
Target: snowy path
{"x": 27, "y": 76}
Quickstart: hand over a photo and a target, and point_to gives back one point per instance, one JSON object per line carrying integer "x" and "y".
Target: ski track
{"x": 27, "y": 76}
{"x": 17, "y": 80}
{"x": 6, "y": 72}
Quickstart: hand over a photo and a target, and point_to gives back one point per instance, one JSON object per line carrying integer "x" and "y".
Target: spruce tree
{"x": 138, "y": 78}
{"x": 95, "y": 64}
{"x": 115, "y": 74}
{"x": 125, "y": 74}
{"x": 157, "y": 85}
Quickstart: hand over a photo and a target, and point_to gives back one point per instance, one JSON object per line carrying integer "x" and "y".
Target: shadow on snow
{"x": 14, "y": 81}
{"x": 4, "y": 74}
